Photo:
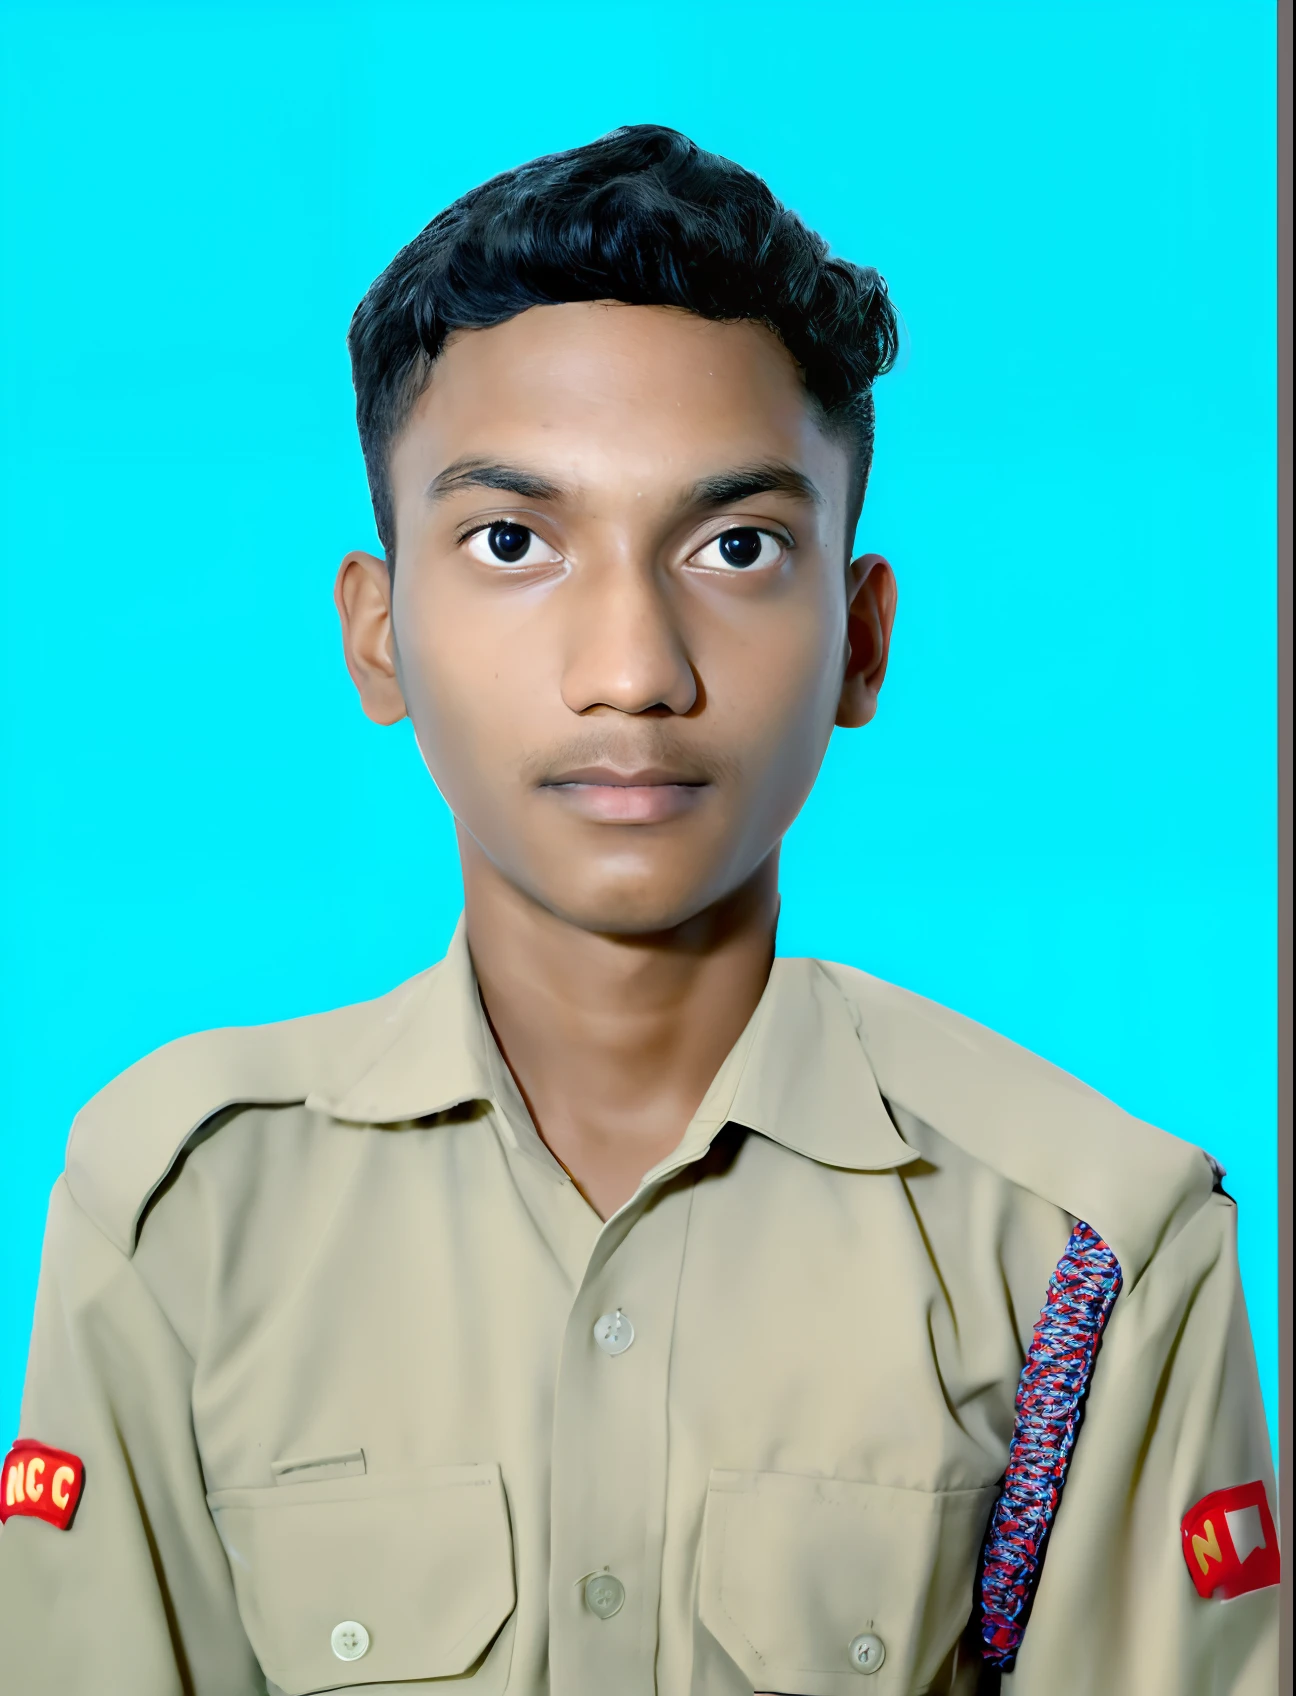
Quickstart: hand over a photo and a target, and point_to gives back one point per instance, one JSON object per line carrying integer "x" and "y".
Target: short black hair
{"x": 643, "y": 216}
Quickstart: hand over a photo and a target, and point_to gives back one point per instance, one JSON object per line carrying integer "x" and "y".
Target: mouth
{"x": 650, "y": 795}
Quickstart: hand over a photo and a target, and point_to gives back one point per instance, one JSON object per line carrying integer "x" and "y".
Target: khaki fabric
{"x": 318, "y": 1312}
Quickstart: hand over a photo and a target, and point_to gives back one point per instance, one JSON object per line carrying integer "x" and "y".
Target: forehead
{"x": 602, "y": 391}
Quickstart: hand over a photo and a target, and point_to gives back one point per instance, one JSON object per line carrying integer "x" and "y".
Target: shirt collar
{"x": 425, "y": 1053}
{"x": 798, "y": 1074}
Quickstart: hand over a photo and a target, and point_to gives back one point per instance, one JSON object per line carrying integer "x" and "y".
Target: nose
{"x": 625, "y": 649}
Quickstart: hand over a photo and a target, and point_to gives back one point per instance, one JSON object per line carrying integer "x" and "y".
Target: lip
{"x": 651, "y": 795}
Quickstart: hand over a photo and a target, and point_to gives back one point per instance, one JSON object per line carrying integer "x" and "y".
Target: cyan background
{"x": 1063, "y": 822}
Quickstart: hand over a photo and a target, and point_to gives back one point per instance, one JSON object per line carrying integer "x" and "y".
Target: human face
{"x": 623, "y": 617}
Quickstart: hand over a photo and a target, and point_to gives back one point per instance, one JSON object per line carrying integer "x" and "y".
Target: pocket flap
{"x": 422, "y": 1562}
{"x": 796, "y": 1569}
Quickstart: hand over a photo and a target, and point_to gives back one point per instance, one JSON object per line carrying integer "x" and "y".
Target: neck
{"x": 613, "y": 1040}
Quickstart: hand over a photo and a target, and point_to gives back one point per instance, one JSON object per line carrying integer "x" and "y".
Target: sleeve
{"x": 135, "y": 1595}
{"x": 1174, "y": 1415}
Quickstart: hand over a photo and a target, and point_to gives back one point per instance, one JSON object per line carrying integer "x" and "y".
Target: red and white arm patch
{"x": 41, "y": 1482}
{"x": 1230, "y": 1544}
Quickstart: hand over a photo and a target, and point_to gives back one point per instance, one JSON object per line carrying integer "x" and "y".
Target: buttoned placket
{"x": 608, "y": 1492}
{"x": 609, "y": 1437}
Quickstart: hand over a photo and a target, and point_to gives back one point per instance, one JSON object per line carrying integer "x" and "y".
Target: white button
{"x": 350, "y": 1640}
{"x": 613, "y": 1332}
{"x": 604, "y": 1595}
{"x": 867, "y": 1652}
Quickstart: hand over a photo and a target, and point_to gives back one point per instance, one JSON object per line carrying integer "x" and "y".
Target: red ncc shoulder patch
{"x": 41, "y": 1482}
{"x": 1230, "y": 1544}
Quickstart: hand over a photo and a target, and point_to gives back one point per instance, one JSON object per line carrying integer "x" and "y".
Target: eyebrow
{"x": 489, "y": 474}
{"x": 773, "y": 477}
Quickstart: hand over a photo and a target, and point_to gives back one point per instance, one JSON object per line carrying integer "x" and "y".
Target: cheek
{"x": 444, "y": 678}
{"x": 779, "y": 688}
{"x": 468, "y": 688}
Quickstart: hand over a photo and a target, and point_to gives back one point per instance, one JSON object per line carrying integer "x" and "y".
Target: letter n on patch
{"x": 1230, "y": 1544}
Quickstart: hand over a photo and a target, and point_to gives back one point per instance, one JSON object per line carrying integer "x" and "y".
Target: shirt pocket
{"x": 422, "y": 1562}
{"x": 798, "y": 1572}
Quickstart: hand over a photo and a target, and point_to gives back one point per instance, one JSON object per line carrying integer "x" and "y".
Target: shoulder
{"x": 1040, "y": 1127}
{"x": 126, "y": 1139}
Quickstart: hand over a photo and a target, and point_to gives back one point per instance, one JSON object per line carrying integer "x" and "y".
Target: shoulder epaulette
{"x": 1028, "y": 1119}
{"x": 126, "y": 1139}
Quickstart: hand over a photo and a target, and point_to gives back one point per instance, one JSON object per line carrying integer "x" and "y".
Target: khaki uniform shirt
{"x": 368, "y": 1397}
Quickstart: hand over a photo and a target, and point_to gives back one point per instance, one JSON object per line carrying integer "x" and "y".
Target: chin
{"x": 639, "y": 909}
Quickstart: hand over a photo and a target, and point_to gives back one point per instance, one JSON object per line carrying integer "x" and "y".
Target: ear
{"x": 869, "y": 618}
{"x": 362, "y": 595}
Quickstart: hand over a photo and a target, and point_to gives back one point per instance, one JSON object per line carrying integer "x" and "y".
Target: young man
{"x": 614, "y": 1309}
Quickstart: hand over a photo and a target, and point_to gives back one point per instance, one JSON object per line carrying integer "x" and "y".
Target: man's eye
{"x": 741, "y": 549}
{"x": 510, "y": 544}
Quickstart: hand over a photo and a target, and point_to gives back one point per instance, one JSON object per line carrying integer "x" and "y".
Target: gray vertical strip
{"x": 1285, "y": 823}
